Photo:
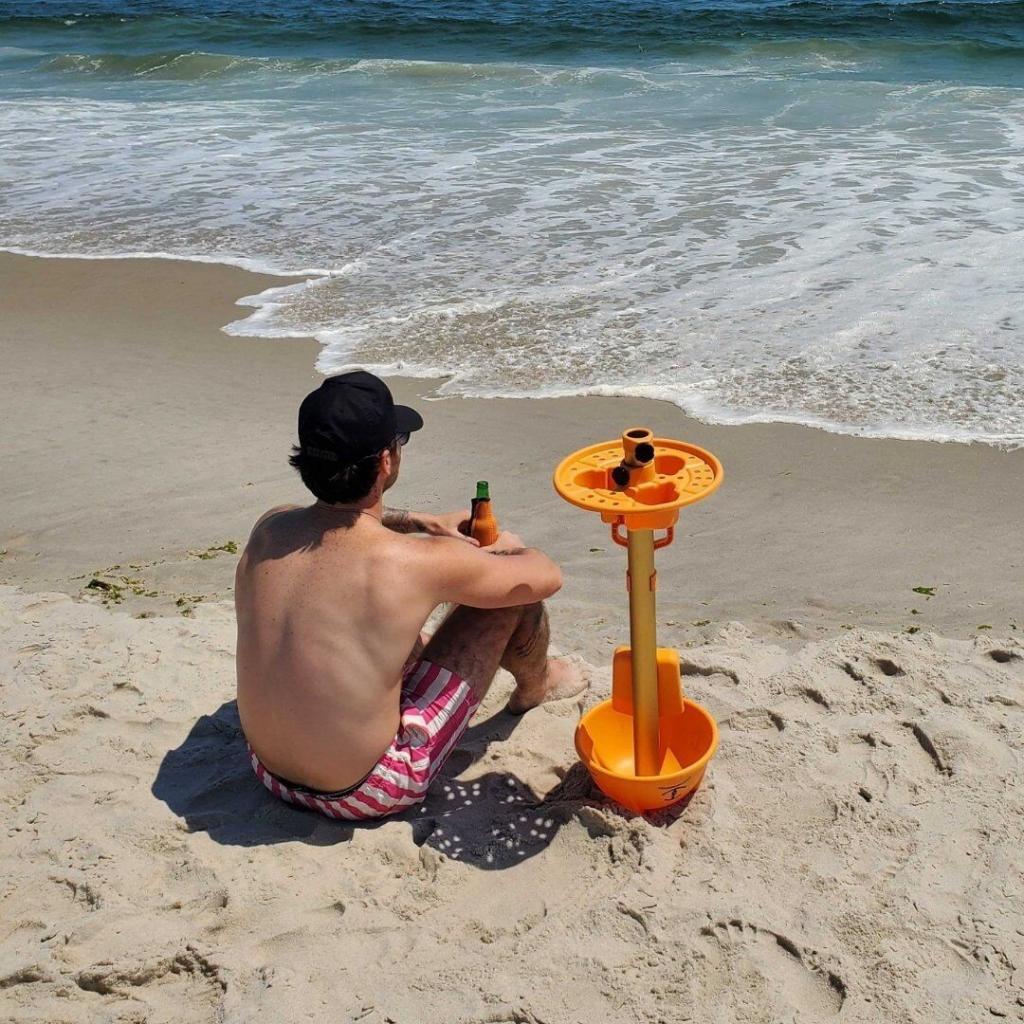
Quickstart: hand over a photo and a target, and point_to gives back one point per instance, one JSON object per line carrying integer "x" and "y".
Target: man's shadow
{"x": 492, "y": 821}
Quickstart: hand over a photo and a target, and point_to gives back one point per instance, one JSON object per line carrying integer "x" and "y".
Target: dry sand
{"x": 854, "y": 854}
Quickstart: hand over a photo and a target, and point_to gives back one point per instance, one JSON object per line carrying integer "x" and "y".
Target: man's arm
{"x": 451, "y": 524}
{"x": 402, "y": 521}
{"x": 500, "y": 576}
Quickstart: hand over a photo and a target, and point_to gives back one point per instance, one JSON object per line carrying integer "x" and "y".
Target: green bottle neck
{"x": 483, "y": 491}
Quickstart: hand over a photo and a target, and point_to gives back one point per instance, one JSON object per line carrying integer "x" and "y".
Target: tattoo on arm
{"x": 401, "y": 521}
{"x": 509, "y": 551}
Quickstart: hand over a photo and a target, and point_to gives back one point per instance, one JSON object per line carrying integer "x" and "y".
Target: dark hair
{"x": 337, "y": 482}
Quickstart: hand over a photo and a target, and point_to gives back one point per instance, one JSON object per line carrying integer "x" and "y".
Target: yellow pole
{"x": 643, "y": 644}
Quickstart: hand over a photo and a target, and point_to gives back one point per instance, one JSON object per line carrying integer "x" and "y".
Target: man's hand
{"x": 451, "y": 524}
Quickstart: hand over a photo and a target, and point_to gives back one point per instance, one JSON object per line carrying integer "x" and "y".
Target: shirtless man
{"x": 346, "y": 707}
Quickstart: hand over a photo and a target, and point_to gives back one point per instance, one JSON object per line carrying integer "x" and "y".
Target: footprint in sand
{"x": 754, "y": 719}
{"x": 163, "y": 985}
{"x": 746, "y": 966}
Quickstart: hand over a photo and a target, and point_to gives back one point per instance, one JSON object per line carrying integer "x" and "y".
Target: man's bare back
{"x": 328, "y": 613}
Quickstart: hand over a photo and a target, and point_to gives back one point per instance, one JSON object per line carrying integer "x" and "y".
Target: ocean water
{"x": 797, "y": 211}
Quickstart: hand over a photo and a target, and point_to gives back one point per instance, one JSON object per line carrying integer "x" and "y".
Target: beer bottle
{"x": 483, "y": 527}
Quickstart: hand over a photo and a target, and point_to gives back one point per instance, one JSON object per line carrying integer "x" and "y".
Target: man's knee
{"x": 532, "y": 614}
{"x": 530, "y": 633}
{"x": 515, "y": 614}
{"x": 515, "y": 624}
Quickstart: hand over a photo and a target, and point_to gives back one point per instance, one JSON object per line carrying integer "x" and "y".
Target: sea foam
{"x": 751, "y": 233}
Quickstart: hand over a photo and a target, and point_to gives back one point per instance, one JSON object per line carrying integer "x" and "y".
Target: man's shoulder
{"x": 270, "y": 513}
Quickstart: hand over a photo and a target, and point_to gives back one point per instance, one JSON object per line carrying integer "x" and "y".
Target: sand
{"x": 855, "y": 852}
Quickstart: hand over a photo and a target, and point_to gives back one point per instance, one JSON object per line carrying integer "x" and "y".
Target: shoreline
{"x": 174, "y": 438}
{"x": 440, "y": 379}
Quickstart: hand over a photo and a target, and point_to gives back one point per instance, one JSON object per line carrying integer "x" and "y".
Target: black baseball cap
{"x": 351, "y": 416}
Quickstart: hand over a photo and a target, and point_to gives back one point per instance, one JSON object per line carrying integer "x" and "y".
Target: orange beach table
{"x": 648, "y": 746}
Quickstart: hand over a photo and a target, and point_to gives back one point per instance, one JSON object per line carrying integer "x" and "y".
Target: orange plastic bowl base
{"x": 604, "y": 741}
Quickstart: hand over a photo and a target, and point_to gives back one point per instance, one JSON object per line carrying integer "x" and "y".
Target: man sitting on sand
{"x": 348, "y": 709}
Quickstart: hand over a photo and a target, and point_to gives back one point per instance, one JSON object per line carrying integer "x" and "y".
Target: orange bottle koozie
{"x": 483, "y": 527}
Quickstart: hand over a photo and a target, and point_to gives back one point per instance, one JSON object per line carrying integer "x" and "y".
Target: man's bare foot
{"x": 564, "y": 678}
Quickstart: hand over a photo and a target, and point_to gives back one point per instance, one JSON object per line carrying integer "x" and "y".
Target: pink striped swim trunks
{"x": 436, "y": 706}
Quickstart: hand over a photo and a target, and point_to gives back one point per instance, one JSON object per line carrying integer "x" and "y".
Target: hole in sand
{"x": 1003, "y": 657}
{"x": 890, "y": 668}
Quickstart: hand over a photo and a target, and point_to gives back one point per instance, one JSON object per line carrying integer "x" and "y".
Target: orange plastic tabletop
{"x": 679, "y": 475}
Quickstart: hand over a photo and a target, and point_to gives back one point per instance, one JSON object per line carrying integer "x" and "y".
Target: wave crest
{"x": 553, "y": 30}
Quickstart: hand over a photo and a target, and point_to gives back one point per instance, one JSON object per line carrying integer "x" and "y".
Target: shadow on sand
{"x": 491, "y": 822}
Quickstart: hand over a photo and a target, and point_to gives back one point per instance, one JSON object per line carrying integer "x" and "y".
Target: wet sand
{"x": 137, "y": 432}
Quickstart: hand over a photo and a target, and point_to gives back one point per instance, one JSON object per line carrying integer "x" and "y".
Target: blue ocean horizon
{"x": 805, "y": 212}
